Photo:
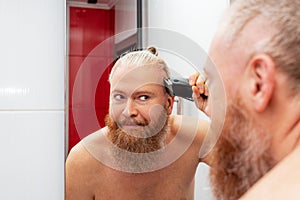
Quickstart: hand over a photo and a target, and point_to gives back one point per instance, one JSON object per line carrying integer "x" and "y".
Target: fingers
{"x": 199, "y": 98}
{"x": 200, "y": 90}
{"x": 193, "y": 78}
{"x": 206, "y": 92}
{"x": 196, "y": 92}
{"x": 198, "y": 80}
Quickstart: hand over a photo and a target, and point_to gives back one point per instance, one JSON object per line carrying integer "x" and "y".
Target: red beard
{"x": 241, "y": 155}
{"x": 134, "y": 144}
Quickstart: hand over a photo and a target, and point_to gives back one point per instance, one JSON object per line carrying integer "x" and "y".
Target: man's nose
{"x": 130, "y": 110}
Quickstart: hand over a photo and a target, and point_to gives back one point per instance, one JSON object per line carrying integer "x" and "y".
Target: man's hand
{"x": 200, "y": 92}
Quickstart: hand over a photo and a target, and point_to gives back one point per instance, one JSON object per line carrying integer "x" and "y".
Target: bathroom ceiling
{"x": 85, "y": 1}
{"x": 100, "y": 3}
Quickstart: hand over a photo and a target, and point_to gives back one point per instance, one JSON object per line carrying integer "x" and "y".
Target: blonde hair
{"x": 284, "y": 45}
{"x": 141, "y": 58}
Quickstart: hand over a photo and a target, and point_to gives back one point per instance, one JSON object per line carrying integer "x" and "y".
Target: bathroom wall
{"x": 32, "y": 66}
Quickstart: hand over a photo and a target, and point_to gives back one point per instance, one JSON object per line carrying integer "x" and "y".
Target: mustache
{"x": 132, "y": 122}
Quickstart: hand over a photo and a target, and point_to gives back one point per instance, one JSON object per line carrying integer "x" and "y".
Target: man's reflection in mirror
{"x": 144, "y": 152}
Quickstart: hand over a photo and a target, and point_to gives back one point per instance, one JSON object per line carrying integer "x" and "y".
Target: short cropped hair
{"x": 284, "y": 44}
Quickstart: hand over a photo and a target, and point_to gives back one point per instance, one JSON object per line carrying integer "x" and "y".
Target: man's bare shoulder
{"x": 189, "y": 125}
{"x": 190, "y": 130}
{"x": 80, "y": 154}
{"x": 83, "y": 171}
{"x": 282, "y": 182}
{"x": 77, "y": 155}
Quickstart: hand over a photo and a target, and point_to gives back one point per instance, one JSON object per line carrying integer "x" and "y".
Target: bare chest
{"x": 169, "y": 183}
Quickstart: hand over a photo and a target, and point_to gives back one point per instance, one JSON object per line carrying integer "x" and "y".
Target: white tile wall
{"x": 32, "y": 68}
{"x": 32, "y": 158}
{"x": 32, "y": 54}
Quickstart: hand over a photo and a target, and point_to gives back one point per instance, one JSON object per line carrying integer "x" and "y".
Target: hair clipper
{"x": 179, "y": 87}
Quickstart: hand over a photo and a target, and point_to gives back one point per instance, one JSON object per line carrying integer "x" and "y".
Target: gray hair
{"x": 284, "y": 44}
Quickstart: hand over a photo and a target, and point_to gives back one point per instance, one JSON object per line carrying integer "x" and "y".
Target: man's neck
{"x": 297, "y": 132}
{"x": 286, "y": 129}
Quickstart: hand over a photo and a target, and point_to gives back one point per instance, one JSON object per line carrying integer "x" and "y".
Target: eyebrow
{"x": 134, "y": 93}
{"x": 117, "y": 91}
{"x": 138, "y": 90}
{"x": 142, "y": 93}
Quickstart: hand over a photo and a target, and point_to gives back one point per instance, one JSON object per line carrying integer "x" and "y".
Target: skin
{"x": 136, "y": 95}
{"x": 279, "y": 183}
{"x": 264, "y": 91}
{"x": 263, "y": 87}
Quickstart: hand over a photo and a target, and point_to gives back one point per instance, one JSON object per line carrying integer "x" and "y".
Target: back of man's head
{"x": 283, "y": 45}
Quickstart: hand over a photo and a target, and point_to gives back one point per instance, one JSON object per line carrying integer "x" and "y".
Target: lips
{"x": 131, "y": 123}
{"x": 130, "y": 126}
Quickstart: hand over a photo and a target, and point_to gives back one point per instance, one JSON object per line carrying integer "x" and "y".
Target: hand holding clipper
{"x": 200, "y": 92}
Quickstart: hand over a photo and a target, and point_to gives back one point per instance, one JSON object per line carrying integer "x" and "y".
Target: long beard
{"x": 137, "y": 154}
{"x": 129, "y": 142}
{"x": 241, "y": 155}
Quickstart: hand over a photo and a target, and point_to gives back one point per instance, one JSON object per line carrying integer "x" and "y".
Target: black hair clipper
{"x": 179, "y": 87}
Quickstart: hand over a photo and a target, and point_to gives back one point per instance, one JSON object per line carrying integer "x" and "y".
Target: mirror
{"x": 100, "y": 31}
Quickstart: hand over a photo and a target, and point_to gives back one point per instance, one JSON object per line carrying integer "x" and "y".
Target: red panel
{"x": 101, "y": 98}
{"x": 88, "y": 28}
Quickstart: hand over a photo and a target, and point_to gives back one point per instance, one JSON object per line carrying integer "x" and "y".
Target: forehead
{"x": 133, "y": 77}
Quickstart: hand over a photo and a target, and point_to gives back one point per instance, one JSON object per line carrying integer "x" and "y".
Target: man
{"x": 257, "y": 52}
{"x": 144, "y": 152}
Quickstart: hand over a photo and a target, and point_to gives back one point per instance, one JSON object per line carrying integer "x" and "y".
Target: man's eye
{"x": 143, "y": 97}
{"x": 118, "y": 97}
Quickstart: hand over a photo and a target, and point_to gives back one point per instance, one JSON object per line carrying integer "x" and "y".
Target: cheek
{"x": 144, "y": 111}
{"x": 151, "y": 112}
{"x": 226, "y": 82}
{"x": 115, "y": 111}
{"x": 155, "y": 112}
{"x": 232, "y": 81}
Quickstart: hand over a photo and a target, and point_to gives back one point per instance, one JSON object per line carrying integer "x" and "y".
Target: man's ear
{"x": 170, "y": 104}
{"x": 262, "y": 76}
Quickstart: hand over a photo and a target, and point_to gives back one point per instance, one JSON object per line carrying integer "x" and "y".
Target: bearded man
{"x": 257, "y": 52}
{"x": 144, "y": 152}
